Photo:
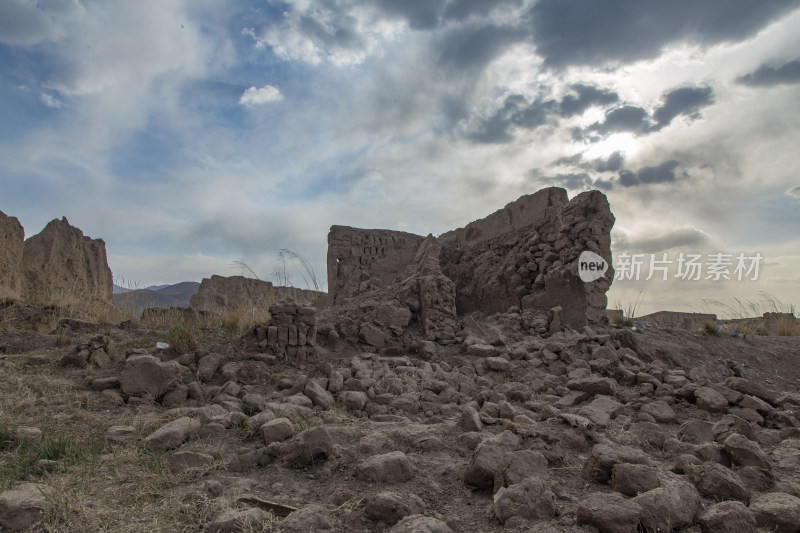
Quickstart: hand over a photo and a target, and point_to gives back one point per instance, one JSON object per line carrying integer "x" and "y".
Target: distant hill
{"x": 177, "y": 295}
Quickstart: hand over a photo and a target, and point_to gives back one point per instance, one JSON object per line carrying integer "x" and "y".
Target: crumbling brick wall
{"x": 360, "y": 260}
{"x": 523, "y": 255}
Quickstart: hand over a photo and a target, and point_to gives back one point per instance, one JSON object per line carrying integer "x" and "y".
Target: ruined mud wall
{"x": 533, "y": 263}
{"x": 523, "y": 255}
{"x": 59, "y": 262}
{"x": 220, "y": 293}
{"x": 360, "y": 260}
{"x": 12, "y": 238}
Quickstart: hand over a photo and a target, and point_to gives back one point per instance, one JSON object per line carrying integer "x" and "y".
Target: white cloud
{"x": 51, "y": 101}
{"x": 264, "y": 95}
{"x": 794, "y": 191}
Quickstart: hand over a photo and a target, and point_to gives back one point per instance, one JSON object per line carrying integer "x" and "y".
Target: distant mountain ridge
{"x": 164, "y": 296}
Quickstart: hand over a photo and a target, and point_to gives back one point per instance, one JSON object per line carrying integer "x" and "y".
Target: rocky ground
{"x": 604, "y": 429}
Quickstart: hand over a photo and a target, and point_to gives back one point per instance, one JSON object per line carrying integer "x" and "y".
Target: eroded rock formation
{"x": 12, "y": 239}
{"x": 219, "y": 293}
{"x": 524, "y": 255}
{"x": 60, "y": 262}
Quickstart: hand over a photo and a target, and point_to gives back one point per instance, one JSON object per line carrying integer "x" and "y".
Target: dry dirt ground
{"x": 599, "y": 430}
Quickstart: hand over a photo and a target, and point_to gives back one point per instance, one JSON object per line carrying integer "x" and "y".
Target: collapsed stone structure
{"x": 59, "y": 261}
{"x": 219, "y": 293}
{"x": 524, "y": 255}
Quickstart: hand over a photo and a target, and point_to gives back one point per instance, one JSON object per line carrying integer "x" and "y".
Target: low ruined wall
{"x": 220, "y": 293}
{"x": 523, "y": 255}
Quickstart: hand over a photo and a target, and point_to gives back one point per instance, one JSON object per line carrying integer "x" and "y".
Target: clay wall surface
{"x": 360, "y": 260}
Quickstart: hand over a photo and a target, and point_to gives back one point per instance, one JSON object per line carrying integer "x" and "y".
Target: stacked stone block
{"x": 290, "y": 333}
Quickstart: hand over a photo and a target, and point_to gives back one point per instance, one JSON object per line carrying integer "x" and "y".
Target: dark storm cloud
{"x": 475, "y": 46}
{"x": 572, "y": 181}
{"x": 686, "y": 101}
{"x": 663, "y": 173}
{"x": 463, "y": 9}
{"x": 420, "y": 14}
{"x": 598, "y": 32}
{"x": 626, "y": 118}
{"x": 768, "y": 75}
{"x": 683, "y": 101}
{"x": 587, "y": 96}
{"x": 516, "y": 112}
{"x": 612, "y": 164}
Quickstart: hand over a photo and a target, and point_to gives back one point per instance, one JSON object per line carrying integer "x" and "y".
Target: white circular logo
{"x": 591, "y": 266}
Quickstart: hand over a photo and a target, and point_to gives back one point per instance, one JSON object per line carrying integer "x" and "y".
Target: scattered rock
{"x": 311, "y": 445}
{"x": 710, "y": 400}
{"x": 392, "y": 467}
{"x": 745, "y": 452}
{"x": 417, "y": 523}
{"x": 185, "y": 460}
{"x": 518, "y": 466}
{"x": 312, "y": 517}
{"x": 28, "y": 434}
{"x": 487, "y": 459}
{"x": 695, "y": 431}
{"x": 727, "y": 517}
{"x": 390, "y": 507}
{"x": 238, "y": 521}
{"x": 470, "y": 419}
{"x": 671, "y": 506}
{"x": 172, "y": 434}
{"x": 318, "y": 395}
{"x": 594, "y": 385}
{"x": 601, "y": 461}
{"x": 632, "y": 479}
{"x": 660, "y": 411}
{"x": 531, "y": 498}
{"x": 23, "y": 506}
{"x": 777, "y": 511}
{"x": 145, "y": 374}
{"x": 609, "y": 512}
{"x": 717, "y": 482}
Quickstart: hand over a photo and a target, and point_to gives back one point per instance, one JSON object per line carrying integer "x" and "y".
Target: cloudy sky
{"x": 190, "y": 134}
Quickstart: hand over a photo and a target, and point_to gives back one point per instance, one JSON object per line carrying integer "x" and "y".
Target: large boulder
{"x": 172, "y": 434}
{"x": 145, "y": 374}
{"x": 23, "y": 506}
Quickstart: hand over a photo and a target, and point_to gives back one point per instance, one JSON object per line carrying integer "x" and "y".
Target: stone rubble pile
{"x": 577, "y": 430}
